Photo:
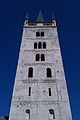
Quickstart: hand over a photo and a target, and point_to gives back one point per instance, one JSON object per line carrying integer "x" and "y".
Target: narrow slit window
{"x": 42, "y": 34}
{"x": 39, "y": 45}
{"x": 35, "y": 45}
{"x": 49, "y": 74}
{"x": 30, "y": 72}
{"x": 44, "y": 45}
{"x": 29, "y": 91}
{"x": 37, "y": 34}
{"x": 37, "y": 57}
{"x": 27, "y": 114}
{"x": 49, "y": 91}
{"x": 42, "y": 57}
{"x": 51, "y": 114}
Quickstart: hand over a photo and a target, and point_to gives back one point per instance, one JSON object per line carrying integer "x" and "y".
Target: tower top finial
{"x": 27, "y": 16}
{"x": 26, "y": 19}
{"x": 40, "y": 17}
{"x": 52, "y": 16}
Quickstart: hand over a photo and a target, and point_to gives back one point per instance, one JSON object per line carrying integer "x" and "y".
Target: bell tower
{"x": 40, "y": 91}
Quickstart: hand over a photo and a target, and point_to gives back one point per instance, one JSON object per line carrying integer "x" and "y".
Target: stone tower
{"x": 40, "y": 91}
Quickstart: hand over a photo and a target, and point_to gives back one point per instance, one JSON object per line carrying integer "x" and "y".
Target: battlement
{"x": 38, "y": 24}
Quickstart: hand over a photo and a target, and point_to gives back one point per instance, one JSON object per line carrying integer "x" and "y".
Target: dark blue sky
{"x": 12, "y": 15}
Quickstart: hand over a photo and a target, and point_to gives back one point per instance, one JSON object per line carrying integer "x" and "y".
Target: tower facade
{"x": 40, "y": 91}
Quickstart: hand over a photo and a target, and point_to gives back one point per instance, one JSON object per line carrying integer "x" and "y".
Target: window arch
{"x": 49, "y": 74}
{"x": 37, "y": 57}
{"x": 35, "y": 45}
{"x": 44, "y": 45}
{"x": 30, "y": 72}
{"x": 42, "y": 57}
{"x": 27, "y": 114}
{"x": 51, "y": 114}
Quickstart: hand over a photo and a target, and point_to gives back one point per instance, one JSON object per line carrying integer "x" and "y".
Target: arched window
{"x": 42, "y": 57}
{"x": 37, "y": 57}
{"x": 49, "y": 74}
{"x": 30, "y": 72}
{"x": 39, "y": 45}
{"x": 35, "y": 45}
{"x": 37, "y": 34}
{"x": 27, "y": 114}
{"x": 49, "y": 91}
{"x": 44, "y": 45}
{"x": 51, "y": 114}
{"x": 42, "y": 34}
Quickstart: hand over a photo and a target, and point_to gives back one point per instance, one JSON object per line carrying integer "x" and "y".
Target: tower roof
{"x": 40, "y": 17}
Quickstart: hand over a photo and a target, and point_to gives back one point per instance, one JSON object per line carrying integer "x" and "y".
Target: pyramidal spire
{"x": 40, "y": 17}
{"x": 52, "y": 17}
{"x": 27, "y": 16}
{"x": 26, "y": 20}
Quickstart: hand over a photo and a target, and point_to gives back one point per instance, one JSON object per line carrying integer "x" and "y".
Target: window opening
{"x": 37, "y": 34}
{"x": 52, "y": 114}
{"x": 30, "y": 73}
{"x": 29, "y": 91}
{"x": 44, "y": 45}
{"x": 37, "y": 57}
{"x": 35, "y": 45}
{"x": 49, "y": 72}
{"x": 42, "y": 57}
{"x": 42, "y": 34}
{"x": 39, "y": 45}
{"x": 49, "y": 91}
{"x": 27, "y": 114}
